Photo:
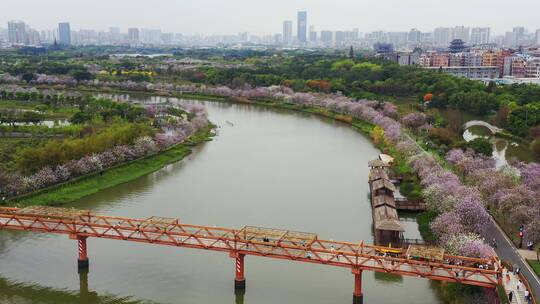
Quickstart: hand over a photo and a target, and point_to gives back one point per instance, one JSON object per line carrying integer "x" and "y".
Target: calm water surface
{"x": 269, "y": 168}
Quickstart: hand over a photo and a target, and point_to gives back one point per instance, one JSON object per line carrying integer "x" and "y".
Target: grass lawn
{"x": 50, "y": 113}
{"x": 90, "y": 184}
{"x": 535, "y": 266}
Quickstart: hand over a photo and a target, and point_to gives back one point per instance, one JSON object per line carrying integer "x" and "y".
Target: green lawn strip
{"x": 502, "y": 294}
{"x": 54, "y": 113}
{"x": 90, "y": 184}
{"x": 15, "y": 104}
{"x": 535, "y": 266}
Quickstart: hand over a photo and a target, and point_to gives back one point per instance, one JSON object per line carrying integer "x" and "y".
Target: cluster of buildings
{"x": 19, "y": 33}
{"x": 294, "y": 34}
{"x": 439, "y": 37}
{"x": 502, "y": 64}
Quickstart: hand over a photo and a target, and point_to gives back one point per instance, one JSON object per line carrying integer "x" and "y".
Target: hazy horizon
{"x": 209, "y": 17}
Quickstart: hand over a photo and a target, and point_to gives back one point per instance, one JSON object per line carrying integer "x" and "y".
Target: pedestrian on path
{"x": 519, "y": 284}
{"x": 527, "y": 296}
{"x": 510, "y": 296}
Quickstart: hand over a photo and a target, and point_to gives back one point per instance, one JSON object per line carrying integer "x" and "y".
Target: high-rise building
{"x": 461, "y": 32}
{"x": 114, "y": 34}
{"x": 301, "y": 30}
{"x": 355, "y": 34}
{"x": 340, "y": 37}
{"x": 397, "y": 38}
{"x": 312, "y": 34}
{"x": 537, "y": 40}
{"x": 519, "y": 31}
{"x": 480, "y": 35}
{"x": 442, "y": 36}
{"x": 510, "y": 39}
{"x": 327, "y": 37}
{"x": 414, "y": 36}
{"x": 152, "y": 36}
{"x": 17, "y": 32}
{"x": 32, "y": 37}
{"x": 48, "y": 36}
{"x": 287, "y": 32}
{"x": 64, "y": 33}
{"x": 133, "y": 35}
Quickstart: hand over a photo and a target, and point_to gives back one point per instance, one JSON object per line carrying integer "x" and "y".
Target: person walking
{"x": 511, "y": 296}
{"x": 527, "y": 296}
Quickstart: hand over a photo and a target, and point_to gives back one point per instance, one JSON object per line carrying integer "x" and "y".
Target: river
{"x": 266, "y": 168}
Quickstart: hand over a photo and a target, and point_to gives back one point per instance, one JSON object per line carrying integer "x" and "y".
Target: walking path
{"x": 510, "y": 283}
{"x": 509, "y": 253}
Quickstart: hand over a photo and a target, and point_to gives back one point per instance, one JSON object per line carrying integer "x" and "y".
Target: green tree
{"x": 481, "y": 145}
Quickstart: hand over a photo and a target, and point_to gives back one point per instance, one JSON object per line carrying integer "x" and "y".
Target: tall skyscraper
{"x": 64, "y": 33}
{"x": 301, "y": 32}
{"x": 17, "y": 32}
{"x": 287, "y": 32}
{"x": 480, "y": 35}
{"x": 537, "y": 40}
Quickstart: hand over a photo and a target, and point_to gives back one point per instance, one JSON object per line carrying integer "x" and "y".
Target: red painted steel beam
{"x": 358, "y": 256}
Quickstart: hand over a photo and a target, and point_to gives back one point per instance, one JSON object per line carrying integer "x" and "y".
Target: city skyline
{"x": 217, "y": 18}
{"x": 21, "y": 33}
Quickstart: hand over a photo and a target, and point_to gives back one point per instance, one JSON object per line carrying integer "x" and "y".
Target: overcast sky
{"x": 266, "y": 16}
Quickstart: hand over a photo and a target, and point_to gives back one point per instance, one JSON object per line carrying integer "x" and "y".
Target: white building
{"x": 17, "y": 32}
{"x": 480, "y": 35}
{"x": 442, "y": 36}
{"x": 133, "y": 35}
{"x": 461, "y": 32}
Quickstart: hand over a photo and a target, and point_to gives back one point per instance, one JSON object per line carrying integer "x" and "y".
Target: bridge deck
{"x": 357, "y": 256}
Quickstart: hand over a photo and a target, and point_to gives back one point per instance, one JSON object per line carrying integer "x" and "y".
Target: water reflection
{"x": 503, "y": 149}
{"x": 13, "y": 292}
{"x": 272, "y": 169}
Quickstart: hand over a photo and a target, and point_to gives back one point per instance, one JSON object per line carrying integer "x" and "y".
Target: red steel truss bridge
{"x": 416, "y": 261}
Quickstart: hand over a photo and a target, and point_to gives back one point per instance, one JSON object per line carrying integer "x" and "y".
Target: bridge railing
{"x": 333, "y": 253}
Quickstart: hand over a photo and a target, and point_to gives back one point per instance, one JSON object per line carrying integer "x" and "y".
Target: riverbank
{"x": 93, "y": 183}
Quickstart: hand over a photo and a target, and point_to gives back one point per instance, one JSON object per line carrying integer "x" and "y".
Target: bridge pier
{"x": 358, "y": 296}
{"x": 239, "y": 280}
{"x": 83, "y": 253}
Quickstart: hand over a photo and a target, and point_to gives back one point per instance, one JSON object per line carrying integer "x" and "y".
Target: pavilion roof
{"x": 386, "y": 218}
{"x": 377, "y": 173}
{"x": 383, "y": 183}
{"x": 383, "y": 200}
